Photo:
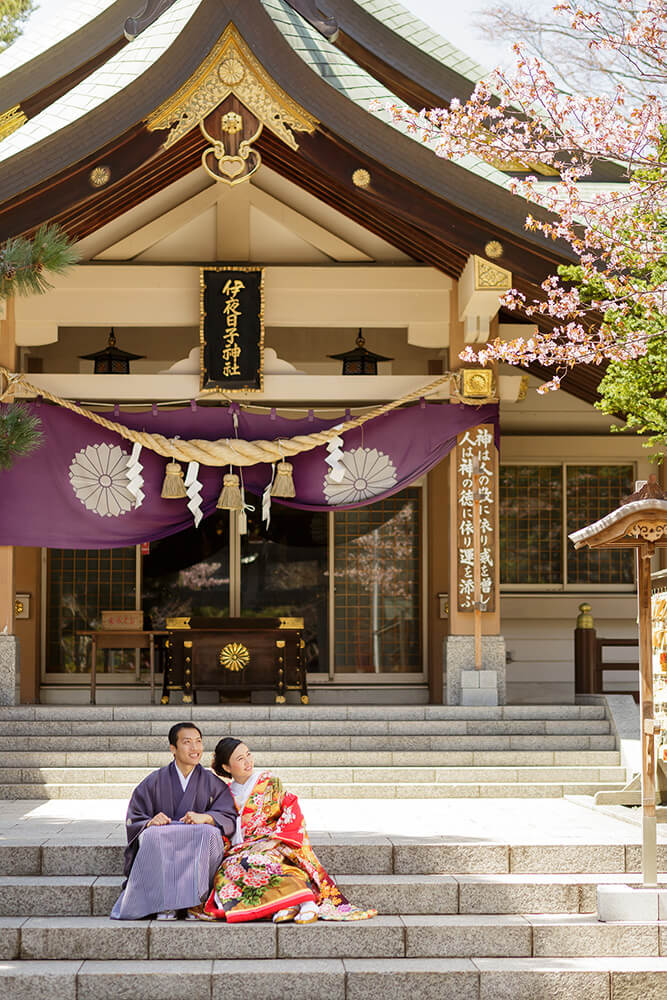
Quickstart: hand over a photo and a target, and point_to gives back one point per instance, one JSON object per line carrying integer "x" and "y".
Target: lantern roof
{"x": 642, "y": 518}
{"x": 111, "y": 352}
{"x": 359, "y": 353}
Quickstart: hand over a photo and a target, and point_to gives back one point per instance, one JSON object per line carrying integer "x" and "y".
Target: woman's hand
{"x": 196, "y": 818}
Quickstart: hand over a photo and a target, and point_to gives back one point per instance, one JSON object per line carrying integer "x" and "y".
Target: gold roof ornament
{"x": 11, "y": 120}
{"x": 231, "y": 68}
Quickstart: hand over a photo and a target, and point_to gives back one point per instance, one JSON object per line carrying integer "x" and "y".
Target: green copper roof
{"x": 345, "y": 76}
{"x": 415, "y": 31}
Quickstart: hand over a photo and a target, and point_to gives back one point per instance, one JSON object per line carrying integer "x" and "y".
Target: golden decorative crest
{"x": 491, "y": 276}
{"x": 361, "y": 178}
{"x": 234, "y": 656}
{"x": 231, "y": 123}
{"x": 99, "y": 176}
{"x": 11, "y": 120}
{"x": 493, "y": 249}
{"x": 477, "y": 383}
{"x": 231, "y": 68}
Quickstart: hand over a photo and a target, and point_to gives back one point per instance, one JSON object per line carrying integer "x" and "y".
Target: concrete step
{"x": 314, "y": 743}
{"x": 455, "y": 759}
{"x": 65, "y": 855}
{"x": 293, "y": 776}
{"x": 566, "y": 935}
{"x": 215, "y": 729}
{"x": 107, "y": 789}
{"x": 341, "y": 979}
{"x": 300, "y": 713}
{"x": 39, "y": 896}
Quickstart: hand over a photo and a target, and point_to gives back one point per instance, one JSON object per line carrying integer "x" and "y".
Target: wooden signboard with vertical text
{"x": 231, "y": 329}
{"x": 475, "y": 449}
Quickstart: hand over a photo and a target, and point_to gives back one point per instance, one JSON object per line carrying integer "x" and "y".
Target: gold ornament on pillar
{"x": 230, "y": 497}
{"x": 173, "y": 487}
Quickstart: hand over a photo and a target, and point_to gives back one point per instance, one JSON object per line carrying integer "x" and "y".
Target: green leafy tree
{"x": 13, "y": 14}
{"x": 636, "y": 389}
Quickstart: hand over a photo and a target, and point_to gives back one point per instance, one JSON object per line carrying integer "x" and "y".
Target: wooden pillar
{"x": 8, "y": 359}
{"x": 646, "y": 714}
{"x": 438, "y": 573}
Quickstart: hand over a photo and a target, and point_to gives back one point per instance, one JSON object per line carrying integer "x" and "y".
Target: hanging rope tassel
{"x": 230, "y": 498}
{"x": 173, "y": 487}
{"x": 283, "y": 485}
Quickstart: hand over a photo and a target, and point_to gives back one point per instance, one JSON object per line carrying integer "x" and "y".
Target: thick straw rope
{"x": 224, "y": 451}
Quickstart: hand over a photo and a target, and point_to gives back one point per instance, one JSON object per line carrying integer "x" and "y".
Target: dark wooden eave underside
{"x": 425, "y": 227}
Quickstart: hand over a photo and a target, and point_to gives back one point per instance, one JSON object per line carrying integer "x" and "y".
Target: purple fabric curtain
{"x": 72, "y": 492}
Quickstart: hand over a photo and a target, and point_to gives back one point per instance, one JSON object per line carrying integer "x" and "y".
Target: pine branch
{"x": 20, "y": 434}
{"x": 24, "y": 263}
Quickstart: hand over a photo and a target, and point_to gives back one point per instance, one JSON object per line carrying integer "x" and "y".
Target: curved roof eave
{"x": 58, "y": 60}
{"x": 434, "y": 75}
{"x": 340, "y": 114}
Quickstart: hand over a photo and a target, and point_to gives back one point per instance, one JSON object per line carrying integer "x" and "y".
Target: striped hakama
{"x": 173, "y": 870}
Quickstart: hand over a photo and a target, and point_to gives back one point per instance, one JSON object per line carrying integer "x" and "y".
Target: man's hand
{"x": 159, "y": 820}
{"x": 193, "y": 817}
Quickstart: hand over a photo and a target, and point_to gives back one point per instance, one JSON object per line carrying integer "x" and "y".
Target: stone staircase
{"x": 542, "y": 751}
{"x": 466, "y": 921}
{"x": 471, "y": 920}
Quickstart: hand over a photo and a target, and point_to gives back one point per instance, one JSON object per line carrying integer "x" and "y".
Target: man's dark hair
{"x": 175, "y": 730}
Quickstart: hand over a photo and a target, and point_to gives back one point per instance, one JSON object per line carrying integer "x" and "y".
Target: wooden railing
{"x": 589, "y": 663}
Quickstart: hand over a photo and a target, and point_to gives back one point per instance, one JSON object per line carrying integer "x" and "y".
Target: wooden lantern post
{"x": 640, "y": 524}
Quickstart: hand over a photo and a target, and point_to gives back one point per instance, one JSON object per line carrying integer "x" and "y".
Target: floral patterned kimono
{"x": 271, "y": 865}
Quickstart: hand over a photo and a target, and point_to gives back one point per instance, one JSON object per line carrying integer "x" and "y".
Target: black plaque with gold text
{"x": 231, "y": 330}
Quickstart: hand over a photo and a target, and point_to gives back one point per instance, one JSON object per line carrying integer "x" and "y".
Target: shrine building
{"x": 266, "y": 257}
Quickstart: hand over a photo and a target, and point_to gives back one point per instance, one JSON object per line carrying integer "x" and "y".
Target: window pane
{"x": 592, "y": 492}
{"x": 530, "y": 512}
{"x": 187, "y": 574}
{"x": 377, "y": 586}
{"x": 285, "y": 572}
{"x": 81, "y": 583}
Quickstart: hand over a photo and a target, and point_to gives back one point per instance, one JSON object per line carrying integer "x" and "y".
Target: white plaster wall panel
{"x": 131, "y": 295}
{"x": 196, "y": 240}
{"x": 274, "y": 243}
{"x": 539, "y": 633}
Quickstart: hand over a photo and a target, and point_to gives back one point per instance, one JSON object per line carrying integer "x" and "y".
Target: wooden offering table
{"x": 121, "y": 639}
{"x": 235, "y": 656}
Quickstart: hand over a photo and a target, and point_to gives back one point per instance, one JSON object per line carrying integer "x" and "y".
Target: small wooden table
{"x": 121, "y": 639}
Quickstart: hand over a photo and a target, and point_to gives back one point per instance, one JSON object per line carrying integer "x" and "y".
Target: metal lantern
{"x": 359, "y": 361}
{"x": 112, "y": 361}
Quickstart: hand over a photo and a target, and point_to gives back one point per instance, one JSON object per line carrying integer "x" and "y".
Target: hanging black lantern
{"x": 112, "y": 361}
{"x": 359, "y": 361}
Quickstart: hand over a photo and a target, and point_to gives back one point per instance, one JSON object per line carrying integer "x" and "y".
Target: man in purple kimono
{"x": 178, "y": 822}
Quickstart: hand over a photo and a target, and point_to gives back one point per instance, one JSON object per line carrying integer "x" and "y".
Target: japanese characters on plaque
{"x": 231, "y": 329}
{"x": 475, "y": 444}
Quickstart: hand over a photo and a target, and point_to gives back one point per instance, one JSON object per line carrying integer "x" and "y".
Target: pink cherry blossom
{"x": 523, "y": 120}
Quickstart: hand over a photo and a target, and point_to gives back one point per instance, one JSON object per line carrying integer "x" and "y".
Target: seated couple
{"x": 231, "y": 852}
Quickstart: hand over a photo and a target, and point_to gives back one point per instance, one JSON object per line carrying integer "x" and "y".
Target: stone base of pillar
{"x": 479, "y": 687}
{"x": 9, "y": 663}
{"x": 459, "y": 658}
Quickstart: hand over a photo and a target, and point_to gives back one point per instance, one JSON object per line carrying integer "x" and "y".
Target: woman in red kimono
{"x": 270, "y": 869}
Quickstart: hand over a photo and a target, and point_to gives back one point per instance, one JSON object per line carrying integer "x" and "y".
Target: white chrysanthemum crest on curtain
{"x": 99, "y": 476}
{"x": 367, "y": 473}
